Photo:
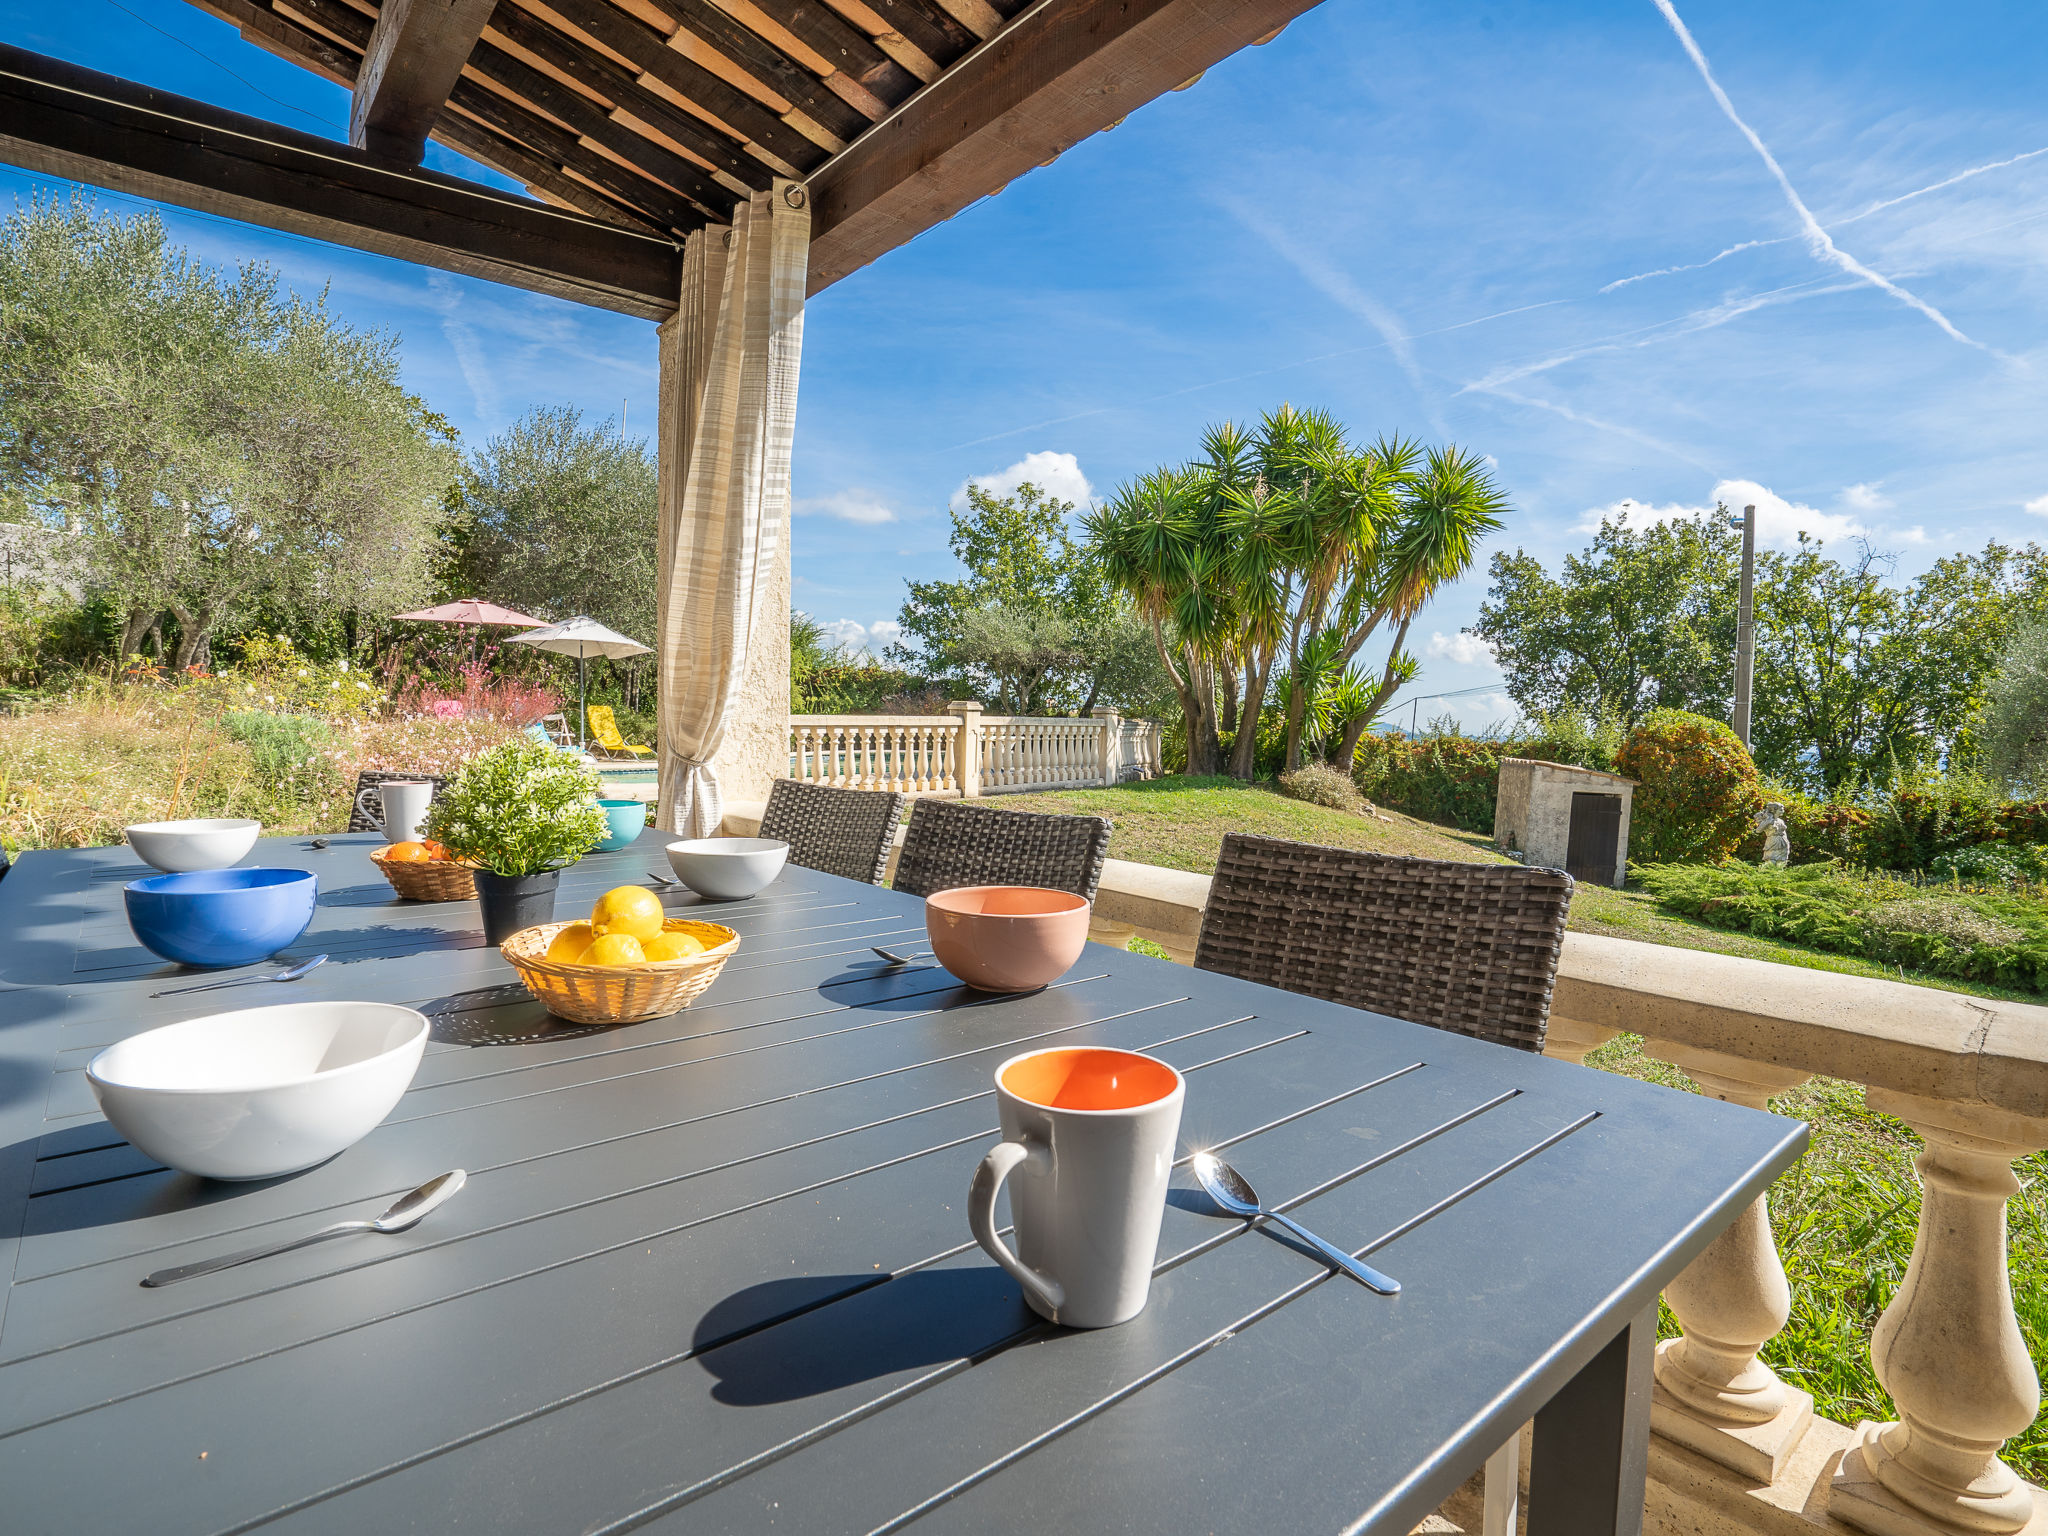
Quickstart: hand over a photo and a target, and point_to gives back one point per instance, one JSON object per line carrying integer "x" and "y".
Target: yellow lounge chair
{"x": 605, "y": 737}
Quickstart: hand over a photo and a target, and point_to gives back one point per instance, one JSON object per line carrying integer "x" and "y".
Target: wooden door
{"x": 1594, "y": 843}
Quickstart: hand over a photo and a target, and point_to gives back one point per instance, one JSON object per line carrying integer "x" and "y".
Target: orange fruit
{"x": 440, "y": 853}
{"x": 407, "y": 853}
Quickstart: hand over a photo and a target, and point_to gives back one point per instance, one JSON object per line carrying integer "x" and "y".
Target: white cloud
{"x": 1057, "y": 474}
{"x": 852, "y": 636}
{"x": 1779, "y": 521}
{"x": 1638, "y": 514}
{"x": 1913, "y": 535}
{"x": 1463, "y": 648}
{"x": 1865, "y": 497}
{"x": 848, "y": 507}
{"x": 2038, "y": 506}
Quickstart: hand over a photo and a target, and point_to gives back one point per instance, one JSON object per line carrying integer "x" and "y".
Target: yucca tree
{"x": 1287, "y": 549}
{"x": 1157, "y": 544}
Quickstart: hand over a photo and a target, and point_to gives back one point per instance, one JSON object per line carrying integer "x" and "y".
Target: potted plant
{"x": 520, "y": 813}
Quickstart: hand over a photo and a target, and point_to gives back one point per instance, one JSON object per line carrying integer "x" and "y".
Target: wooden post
{"x": 967, "y": 751}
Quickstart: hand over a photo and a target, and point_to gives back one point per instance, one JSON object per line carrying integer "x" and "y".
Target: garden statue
{"x": 1777, "y": 840}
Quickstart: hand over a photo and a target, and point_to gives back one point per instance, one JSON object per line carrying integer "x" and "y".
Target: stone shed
{"x": 1561, "y": 817}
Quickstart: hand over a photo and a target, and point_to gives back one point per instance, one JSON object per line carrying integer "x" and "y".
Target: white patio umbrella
{"x": 581, "y": 637}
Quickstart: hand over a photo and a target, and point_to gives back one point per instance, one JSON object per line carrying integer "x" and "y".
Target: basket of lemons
{"x": 630, "y": 961}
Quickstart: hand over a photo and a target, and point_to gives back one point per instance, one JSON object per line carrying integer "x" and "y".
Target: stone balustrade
{"x": 1735, "y": 1447}
{"x": 966, "y": 752}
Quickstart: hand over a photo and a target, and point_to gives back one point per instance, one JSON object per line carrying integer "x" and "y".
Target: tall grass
{"x": 75, "y": 772}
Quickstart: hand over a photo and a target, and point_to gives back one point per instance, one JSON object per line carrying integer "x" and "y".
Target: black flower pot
{"x": 513, "y": 902}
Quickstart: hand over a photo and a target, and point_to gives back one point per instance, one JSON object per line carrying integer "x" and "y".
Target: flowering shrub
{"x": 509, "y": 700}
{"x": 1696, "y": 788}
{"x": 520, "y": 809}
{"x": 274, "y": 677}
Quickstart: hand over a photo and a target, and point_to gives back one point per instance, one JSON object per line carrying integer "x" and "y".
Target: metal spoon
{"x": 655, "y": 874}
{"x": 405, "y": 1212}
{"x": 1227, "y": 1187}
{"x": 289, "y": 973}
{"x": 893, "y": 958}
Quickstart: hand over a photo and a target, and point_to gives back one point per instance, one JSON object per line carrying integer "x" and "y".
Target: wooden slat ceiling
{"x": 656, "y": 115}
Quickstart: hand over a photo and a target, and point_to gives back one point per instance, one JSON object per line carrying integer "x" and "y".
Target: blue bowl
{"x": 628, "y": 819}
{"x": 221, "y": 916}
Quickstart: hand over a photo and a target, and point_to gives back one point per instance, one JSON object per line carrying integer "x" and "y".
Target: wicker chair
{"x": 839, "y": 831}
{"x": 952, "y": 844}
{"x": 1470, "y": 948}
{"x": 358, "y": 819}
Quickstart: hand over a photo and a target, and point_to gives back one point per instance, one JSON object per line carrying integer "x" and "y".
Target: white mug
{"x": 1090, "y": 1134}
{"x": 397, "y": 808}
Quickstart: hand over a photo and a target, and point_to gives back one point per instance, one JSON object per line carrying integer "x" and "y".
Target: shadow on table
{"x": 501, "y": 1015}
{"x": 869, "y": 1331}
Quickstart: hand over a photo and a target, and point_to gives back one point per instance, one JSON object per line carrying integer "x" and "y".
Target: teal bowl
{"x": 628, "y": 819}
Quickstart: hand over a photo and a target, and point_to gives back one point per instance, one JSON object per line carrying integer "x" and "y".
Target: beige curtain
{"x": 728, "y": 411}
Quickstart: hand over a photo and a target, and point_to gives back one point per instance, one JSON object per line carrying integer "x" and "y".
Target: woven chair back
{"x": 359, "y": 819}
{"x": 844, "y": 832}
{"x": 1471, "y": 948}
{"x": 951, "y": 844}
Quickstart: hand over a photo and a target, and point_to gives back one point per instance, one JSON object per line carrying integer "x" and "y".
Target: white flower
{"x": 252, "y": 688}
{"x": 302, "y": 671}
{"x": 343, "y": 665}
{"x": 331, "y": 687}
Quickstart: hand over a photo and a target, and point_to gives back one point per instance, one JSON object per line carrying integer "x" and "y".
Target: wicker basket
{"x": 426, "y": 879}
{"x": 619, "y": 994}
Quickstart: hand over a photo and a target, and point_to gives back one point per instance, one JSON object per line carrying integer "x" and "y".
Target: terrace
{"x": 708, "y": 167}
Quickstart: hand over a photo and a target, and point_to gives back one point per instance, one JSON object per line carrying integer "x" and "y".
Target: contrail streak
{"x": 1692, "y": 266}
{"x": 1816, "y": 238}
{"x": 1906, "y": 197}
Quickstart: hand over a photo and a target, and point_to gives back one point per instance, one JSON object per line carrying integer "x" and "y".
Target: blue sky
{"x": 1529, "y": 228}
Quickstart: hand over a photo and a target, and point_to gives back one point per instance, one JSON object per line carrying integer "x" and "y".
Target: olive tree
{"x": 220, "y": 443}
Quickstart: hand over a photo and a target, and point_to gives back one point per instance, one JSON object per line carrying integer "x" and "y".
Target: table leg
{"x": 1591, "y": 1455}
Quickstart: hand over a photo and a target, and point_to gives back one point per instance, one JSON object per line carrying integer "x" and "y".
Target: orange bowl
{"x": 1006, "y": 938}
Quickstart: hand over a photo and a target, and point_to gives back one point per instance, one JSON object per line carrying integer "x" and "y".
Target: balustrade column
{"x": 1713, "y": 1395}
{"x": 1948, "y": 1348}
{"x": 967, "y": 744}
{"x": 1569, "y": 1040}
{"x": 1110, "y": 740}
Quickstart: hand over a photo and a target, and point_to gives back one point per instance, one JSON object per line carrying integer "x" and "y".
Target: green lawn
{"x": 1179, "y": 823}
{"x": 1844, "y": 1217}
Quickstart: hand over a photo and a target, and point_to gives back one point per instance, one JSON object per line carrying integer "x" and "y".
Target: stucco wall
{"x": 1534, "y": 809}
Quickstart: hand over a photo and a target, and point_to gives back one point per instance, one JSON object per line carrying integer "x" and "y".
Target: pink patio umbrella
{"x": 472, "y": 610}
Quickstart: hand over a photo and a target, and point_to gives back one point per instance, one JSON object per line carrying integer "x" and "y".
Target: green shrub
{"x": 1971, "y": 935}
{"x": 1696, "y": 788}
{"x": 1323, "y": 784}
{"x": 2012, "y": 866}
{"x": 1450, "y": 780}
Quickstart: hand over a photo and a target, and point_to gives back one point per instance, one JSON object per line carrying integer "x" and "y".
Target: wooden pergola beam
{"x": 415, "y": 55}
{"x": 76, "y": 123}
{"x": 1064, "y": 69}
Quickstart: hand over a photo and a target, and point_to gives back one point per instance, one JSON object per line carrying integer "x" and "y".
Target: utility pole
{"x": 1745, "y": 626}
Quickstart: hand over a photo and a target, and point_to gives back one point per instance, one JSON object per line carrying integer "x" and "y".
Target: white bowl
{"x": 180, "y": 847}
{"x": 262, "y": 1091}
{"x": 727, "y": 868}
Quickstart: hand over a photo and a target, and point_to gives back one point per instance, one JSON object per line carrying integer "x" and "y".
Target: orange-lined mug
{"x": 1090, "y": 1134}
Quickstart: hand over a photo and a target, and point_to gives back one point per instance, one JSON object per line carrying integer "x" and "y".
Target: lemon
{"x": 615, "y": 949}
{"x": 632, "y": 910}
{"x": 673, "y": 946}
{"x": 569, "y": 944}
